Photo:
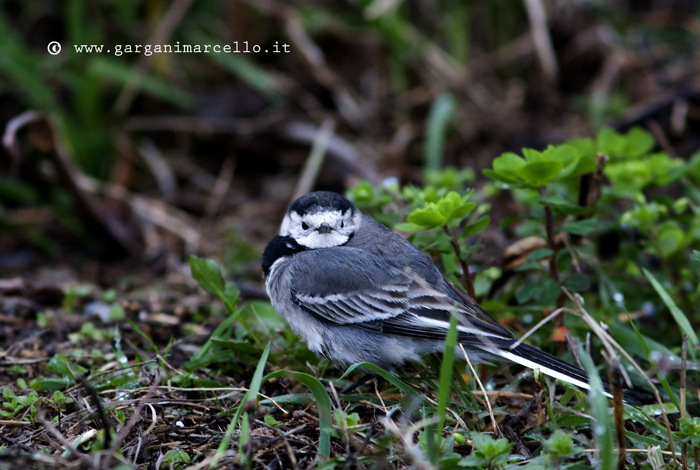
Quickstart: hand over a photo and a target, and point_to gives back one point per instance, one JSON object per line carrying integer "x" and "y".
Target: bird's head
{"x": 321, "y": 220}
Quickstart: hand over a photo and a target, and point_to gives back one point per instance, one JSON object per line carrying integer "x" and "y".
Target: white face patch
{"x": 321, "y": 229}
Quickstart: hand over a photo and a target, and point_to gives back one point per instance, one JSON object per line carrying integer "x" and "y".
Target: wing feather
{"x": 375, "y": 295}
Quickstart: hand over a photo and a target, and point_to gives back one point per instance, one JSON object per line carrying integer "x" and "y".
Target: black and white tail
{"x": 549, "y": 365}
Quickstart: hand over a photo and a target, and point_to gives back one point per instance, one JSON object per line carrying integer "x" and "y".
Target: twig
{"x": 661, "y": 138}
{"x": 100, "y": 410}
{"x": 610, "y": 344}
{"x": 347, "y": 106}
{"x": 553, "y": 269}
{"x": 466, "y": 275}
{"x": 496, "y": 431}
{"x": 338, "y": 148}
{"x": 684, "y": 362}
{"x": 376, "y": 390}
{"x": 540, "y": 36}
{"x": 537, "y": 327}
{"x": 615, "y": 379}
{"x": 137, "y": 414}
{"x": 549, "y": 226}
{"x": 221, "y": 187}
{"x": 315, "y": 160}
{"x": 85, "y": 458}
{"x": 160, "y": 170}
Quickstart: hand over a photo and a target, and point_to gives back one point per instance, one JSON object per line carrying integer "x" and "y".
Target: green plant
{"x": 488, "y": 453}
{"x": 555, "y": 451}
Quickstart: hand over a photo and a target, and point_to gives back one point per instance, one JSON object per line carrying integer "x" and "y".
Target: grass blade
{"x": 251, "y": 395}
{"x": 661, "y": 376}
{"x": 448, "y": 358}
{"x": 217, "y": 334}
{"x": 323, "y": 402}
{"x": 603, "y": 428}
{"x": 440, "y": 114}
{"x": 392, "y": 379}
{"x": 677, "y": 313}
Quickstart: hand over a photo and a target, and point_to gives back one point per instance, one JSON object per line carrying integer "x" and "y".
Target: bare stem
{"x": 549, "y": 225}
{"x": 684, "y": 365}
{"x": 466, "y": 275}
{"x": 553, "y": 270}
{"x": 616, "y": 380}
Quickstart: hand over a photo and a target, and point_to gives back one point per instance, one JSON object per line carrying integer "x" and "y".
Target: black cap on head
{"x": 276, "y": 249}
{"x": 312, "y": 202}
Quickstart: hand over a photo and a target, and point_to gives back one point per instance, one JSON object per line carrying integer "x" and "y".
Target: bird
{"x": 356, "y": 291}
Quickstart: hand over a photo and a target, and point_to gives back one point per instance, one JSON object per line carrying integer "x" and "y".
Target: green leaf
{"x": 561, "y": 205}
{"x": 60, "y": 365}
{"x": 446, "y": 205}
{"x": 508, "y": 166}
{"x": 578, "y": 282}
{"x": 538, "y": 174}
{"x": 230, "y": 296}
{"x": 208, "y": 274}
{"x": 611, "y": 143}
{"x": 460, "y": 211}
{"x": 690, "y": 430}
{"x": 580, "y": 227}
{"x": 539, "y": 253}
{"x": 488, "y": 452}
{"x": 583, "y": 166}
{"x": 42, "y": 384}
{"x": 526, "y": 292}
{"x": 565, "y": 154}
{"x": 584, "y": 147}
{"x": 672, "y": 238}
{"x": 677, "y": 313}
{"x": 533, "y": 156}
{"x": 638, "y": 142}
{"x": 411, "y": 228}
{"x": 476, "y": 227}
{"x": 548, "y": 292}
{"x": 561, "y": 446}
{"x": 499, "y": 177}
{"x": 270, "y": 420}
{"x": 429, "y": 217}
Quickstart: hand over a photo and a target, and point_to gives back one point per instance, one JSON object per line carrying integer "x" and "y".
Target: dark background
{"x": 201, "y": 153}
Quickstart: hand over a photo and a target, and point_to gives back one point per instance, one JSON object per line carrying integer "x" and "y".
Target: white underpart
{"x": 545, "y": 370}
{"x": 322, "y": 240}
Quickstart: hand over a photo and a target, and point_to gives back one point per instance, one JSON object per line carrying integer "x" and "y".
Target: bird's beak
{"x": 325, "y": 228}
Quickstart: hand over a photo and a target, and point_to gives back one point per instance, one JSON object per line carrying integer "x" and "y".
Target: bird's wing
{"x": 348, "y": 286}
{"x": 471, "y": 304}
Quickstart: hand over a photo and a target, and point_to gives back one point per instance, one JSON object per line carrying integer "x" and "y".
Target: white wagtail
{"x": 355, "y": 291}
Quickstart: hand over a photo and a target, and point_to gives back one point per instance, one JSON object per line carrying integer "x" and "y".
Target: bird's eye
{"x": 304, "y": 226}
{"x": 342, "y": 224}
